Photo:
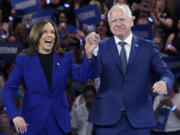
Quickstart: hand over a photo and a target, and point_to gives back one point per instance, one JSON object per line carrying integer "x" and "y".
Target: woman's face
{"x": 21, "y": 30}
{"x": 101, "y": 28}
{"x": 47, "y": 39}
{"x": 160, "y": 4}
{"x": 62, "y": 18}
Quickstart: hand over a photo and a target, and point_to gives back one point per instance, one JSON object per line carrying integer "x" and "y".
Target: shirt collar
{"x": 128, "y": 40}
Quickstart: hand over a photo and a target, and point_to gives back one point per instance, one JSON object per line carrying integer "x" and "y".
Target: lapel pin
{"x": 136, "y": 45}
{"x": 58, "y": 64}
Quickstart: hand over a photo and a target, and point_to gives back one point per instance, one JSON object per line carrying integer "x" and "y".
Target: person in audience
{"x": 162, "y": 19}
{"x": 102, "y": 29}
{"x": 172, "y": 103}
{"x": 80, "y": 125}
{"x": 21, "y": 35}
{"x": 142, "y": 19}
{"x": 4, "y": 26}
{"x": 159, "y": 42}
{"x": 172, "y": 43}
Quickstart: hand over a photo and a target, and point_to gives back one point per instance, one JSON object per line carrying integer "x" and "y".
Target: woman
{"x": 102, "y": 29}
{"x": 162, "y": 18}
{"x": 43, "y": 69}
{"x": 172, "y": 43}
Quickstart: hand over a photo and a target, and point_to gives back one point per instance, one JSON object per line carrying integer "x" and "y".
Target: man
{"x": 123, "y": 105}
{"x": 80, "y": 125}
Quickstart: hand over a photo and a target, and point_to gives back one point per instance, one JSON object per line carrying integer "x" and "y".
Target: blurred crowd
{"x": 165, "y": 24}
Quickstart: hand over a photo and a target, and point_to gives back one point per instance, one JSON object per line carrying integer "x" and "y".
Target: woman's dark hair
{"x": 61, "y": 12}
{"x": 35, "y": 35}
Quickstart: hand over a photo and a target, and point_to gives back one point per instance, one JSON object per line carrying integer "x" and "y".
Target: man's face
{"x": 120, "y": 23}
{"x": 89, "y": 97}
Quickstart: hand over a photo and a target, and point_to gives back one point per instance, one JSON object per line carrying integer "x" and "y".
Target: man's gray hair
{"x": 120, "y": 5}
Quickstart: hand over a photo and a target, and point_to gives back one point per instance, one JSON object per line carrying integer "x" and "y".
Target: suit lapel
{"x": 114, "y": 51}
{"x": 56, "y": 65}
{"x": 134, "y": 49}
{"x": 57, "y": 72}
{"x": 42, "y": 76}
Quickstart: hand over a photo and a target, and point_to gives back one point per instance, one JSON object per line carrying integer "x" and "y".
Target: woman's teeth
{"x": 48, "y": 42}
